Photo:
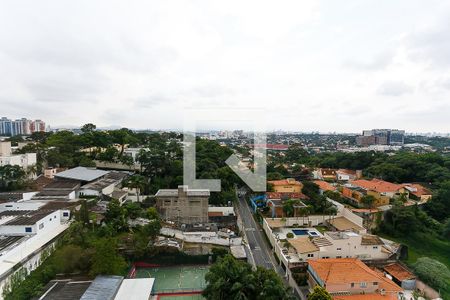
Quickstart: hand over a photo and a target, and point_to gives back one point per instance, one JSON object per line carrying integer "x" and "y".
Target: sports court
{"x": 175, "y": 279}
{"x": 181, "y": 297}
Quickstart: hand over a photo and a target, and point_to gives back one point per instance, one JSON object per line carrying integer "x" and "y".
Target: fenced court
{"x": 175, "y": 279}
{"x": 181, "y": 297}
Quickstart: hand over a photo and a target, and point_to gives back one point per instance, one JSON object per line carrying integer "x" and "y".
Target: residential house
{"x": 418, "y": 192}
{"x": 289, "y": 185}
{"x": 327, "y": 174}
{"x": 345, "y": 277}
{"x": 325, "y": 186}
{"x": 347, "y": 175}
{"x": 381, "y": 190}
{"x": 276, "y": 201}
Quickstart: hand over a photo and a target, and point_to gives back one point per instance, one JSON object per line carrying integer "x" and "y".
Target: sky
{"x": 328, "y": 66}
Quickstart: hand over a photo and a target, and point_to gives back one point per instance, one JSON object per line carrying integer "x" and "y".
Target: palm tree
{"x": 137, "y": 182}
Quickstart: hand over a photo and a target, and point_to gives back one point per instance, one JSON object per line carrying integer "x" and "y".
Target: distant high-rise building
{"x": 22, "y": 126}
{"x": 381, "y": 137}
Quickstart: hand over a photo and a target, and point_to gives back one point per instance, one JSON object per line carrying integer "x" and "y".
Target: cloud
{"x": 431, "y": 45}
{"x": 140, "y": 65}
{"x": 394, "y": 88}
{"x": 379, "y": 62}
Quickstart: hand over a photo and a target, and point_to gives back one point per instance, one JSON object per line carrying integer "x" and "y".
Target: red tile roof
{"x": 348, "y": 270}
{"x": 399, "y": 272}
{"x": 390, "y": 296}
{"x": 325, "y": 186}
{"x": 377, "y": 185}
{"x": 274, "y": 195}
{"x": 288, "y": 181}
{"x": 420, "y": 189}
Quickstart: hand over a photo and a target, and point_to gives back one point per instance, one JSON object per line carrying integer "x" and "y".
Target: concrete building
{"x": 381, "y": 137}
{"x": 8, "y": 158}
{"x": 183, "y": 205}
{"x": 24, "y": 236}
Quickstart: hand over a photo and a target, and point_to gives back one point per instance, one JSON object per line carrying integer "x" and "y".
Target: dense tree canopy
{"x": 232, "y": 279}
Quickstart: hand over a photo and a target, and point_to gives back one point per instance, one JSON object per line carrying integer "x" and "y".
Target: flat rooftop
{"x": 174, "y": 193}
{"x": 65, "y": 290}
{"x": 82, "y": 174}
{"x": 344, "y": 224}
{"x": 136, "y": 289}
{"x": 103, "y": 288}
{"x": 29, "y": 218}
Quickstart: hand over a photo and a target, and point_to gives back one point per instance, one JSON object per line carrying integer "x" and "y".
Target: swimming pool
{"x": 300, "y": 231}
{"x": 305, "y": 232}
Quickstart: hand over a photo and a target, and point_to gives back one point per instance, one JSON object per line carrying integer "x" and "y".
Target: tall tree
{"x": 319, "y": 293}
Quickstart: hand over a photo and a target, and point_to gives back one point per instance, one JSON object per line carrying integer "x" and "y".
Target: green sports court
{"x": 175, "y": 279}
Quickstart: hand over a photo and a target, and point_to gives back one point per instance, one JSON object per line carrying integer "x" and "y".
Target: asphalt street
{"x": 260, "y": 250}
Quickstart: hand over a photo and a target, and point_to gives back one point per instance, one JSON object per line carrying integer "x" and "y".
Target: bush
{"x": 432, "y": 272}
{"x": 290, "y": 235}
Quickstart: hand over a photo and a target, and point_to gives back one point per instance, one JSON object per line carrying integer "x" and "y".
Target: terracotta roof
{"x": 348, "y": 270}
{"x": 289, "y": 181}
{"x": 324, "y": 186}
{"x": 215, "y": 214}
{"x": 399, "y": 272}
{"x": 274, "y": 195}
{"x": 377, "y": 185}
{"x": 417, "y": 189}
{"x": 365, "y": 210}
{"x": 390, "y": 296}
{"x": 346, "y": 171}
{"x": 303, "y": 245}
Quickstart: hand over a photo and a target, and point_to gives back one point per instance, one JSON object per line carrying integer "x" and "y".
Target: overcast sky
{"x": 315, "y": 65}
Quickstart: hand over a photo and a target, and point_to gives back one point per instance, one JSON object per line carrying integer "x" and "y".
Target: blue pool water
{"x": 300, "y": 231}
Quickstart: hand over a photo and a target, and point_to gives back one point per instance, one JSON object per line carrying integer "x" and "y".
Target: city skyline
{"x": 313, "y": 66}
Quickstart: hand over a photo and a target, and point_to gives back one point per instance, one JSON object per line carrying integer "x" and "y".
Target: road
{"x": 259, "y": 247}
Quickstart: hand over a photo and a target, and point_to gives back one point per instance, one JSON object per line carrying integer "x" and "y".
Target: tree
{"x": 12, "y": 177}
{"x": 368, "y": 200}
{"x": 106, "y": 260}
{"x": 446, "y": 230}
{"x": 232, "y": 279}
{"x": 438, "y": 206}
{"x": 115, "y": 215}
{"x": 137, "y": 182}
{"x": 84, "y": 213}
{"x": 319, "y": 293}
{"x": 152, "y": 213}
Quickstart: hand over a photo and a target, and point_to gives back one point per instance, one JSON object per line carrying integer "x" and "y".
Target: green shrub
{"x": 432, "y": 272}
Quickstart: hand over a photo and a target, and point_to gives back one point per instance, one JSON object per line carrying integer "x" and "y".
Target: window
{"x": 338, "y": 256}
{"x": 338, "y": 249}
{"x": 310, "y": 255}
{"x": 363, "y": 285}
{"x": 65, "y": 214}
{"x": 352, "y": 284}
{"x": 28, "y": 229}
{"x": 41, "y": 225}
{"x": 375, "y": 283}
{"x": 375, "y": 247}
{"x": 9, "y": 205}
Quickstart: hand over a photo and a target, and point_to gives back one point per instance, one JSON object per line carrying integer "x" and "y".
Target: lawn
{"x": 421, "y": 245}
